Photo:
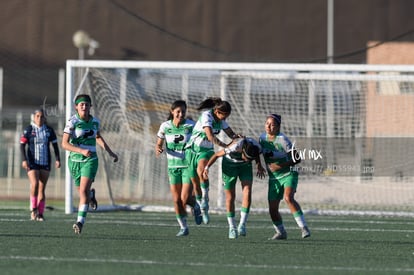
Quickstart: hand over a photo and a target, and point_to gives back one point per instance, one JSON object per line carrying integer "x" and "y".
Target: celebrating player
{"x": 176, "y": 132}
{"x": 202, "y": 141}
{"x": 81, "y": 133}
{"x": 237, "y": 163}
{"x": 37, "y": 160}
{"x": 282, "y": 180}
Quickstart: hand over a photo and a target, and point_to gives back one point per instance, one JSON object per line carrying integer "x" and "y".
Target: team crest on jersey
{"x": 178, "y": 138}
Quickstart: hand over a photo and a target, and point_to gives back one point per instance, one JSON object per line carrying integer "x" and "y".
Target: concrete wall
{"x": 389, "y": 112}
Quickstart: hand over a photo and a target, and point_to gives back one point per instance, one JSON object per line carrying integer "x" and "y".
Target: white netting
{"x": 348, "y": 123}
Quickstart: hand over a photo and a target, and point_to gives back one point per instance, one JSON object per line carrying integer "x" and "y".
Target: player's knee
{"x": 289, "y": 200}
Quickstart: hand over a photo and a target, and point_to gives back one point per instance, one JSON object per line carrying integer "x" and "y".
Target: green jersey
{"x": 176, "y": 139}
{"x": 276, "y": 151}
{"x": 82, "y": 134}
{"x": 199, "y": 140}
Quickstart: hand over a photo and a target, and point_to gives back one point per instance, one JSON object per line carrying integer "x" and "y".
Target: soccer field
{"x": 145, "y": 243}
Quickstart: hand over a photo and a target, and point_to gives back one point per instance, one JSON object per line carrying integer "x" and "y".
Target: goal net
{"x": 352, "y": 124}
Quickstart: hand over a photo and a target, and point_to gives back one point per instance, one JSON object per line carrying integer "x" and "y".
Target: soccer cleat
{"x": 40, "y": 218}
{"x": 206, "y": 217}
{"x": 279, "y": 236}
{"x": 204, "y": 211}
{"x": 233, "y": 233}
{"x": 33, "y": 214}
{"x": 242, "y": 230}
{"x": 305, "y": 232}
{"x": 77, "y": 227}
{"x": 197, "y": 214}
{"x": 93, "y": 202}
{"x": 182, "y": 232}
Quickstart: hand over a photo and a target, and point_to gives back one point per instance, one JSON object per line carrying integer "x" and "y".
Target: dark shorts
{"x": 34, "y": 166}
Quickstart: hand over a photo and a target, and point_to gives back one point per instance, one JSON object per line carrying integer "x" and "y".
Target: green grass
{"x": 145, "y": 243}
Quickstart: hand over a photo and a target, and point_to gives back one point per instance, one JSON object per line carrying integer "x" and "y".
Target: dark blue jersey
{"x": 38, "y": 140}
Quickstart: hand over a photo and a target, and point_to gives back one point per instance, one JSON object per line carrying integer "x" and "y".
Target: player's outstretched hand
{"x": 205, "y": 174}
{"x": 261, "y": 172}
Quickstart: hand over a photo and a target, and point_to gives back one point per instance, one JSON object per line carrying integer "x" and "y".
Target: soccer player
{"x": 283, "y": 182}
{"x": 37, "y": 160}
{"x": 175, "y": 133}
{"x": 201, "y": 144}
{"x": 80, "y": 136}
{"x": 237, "y": 163}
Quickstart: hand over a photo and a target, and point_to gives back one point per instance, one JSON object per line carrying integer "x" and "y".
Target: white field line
{"x": 127, "y": 220}
{"x": 151, "y": 262}
{"x": 251, "y": 225}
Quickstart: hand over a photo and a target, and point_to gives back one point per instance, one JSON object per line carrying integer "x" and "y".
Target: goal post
{"x": 346, "y": 121}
